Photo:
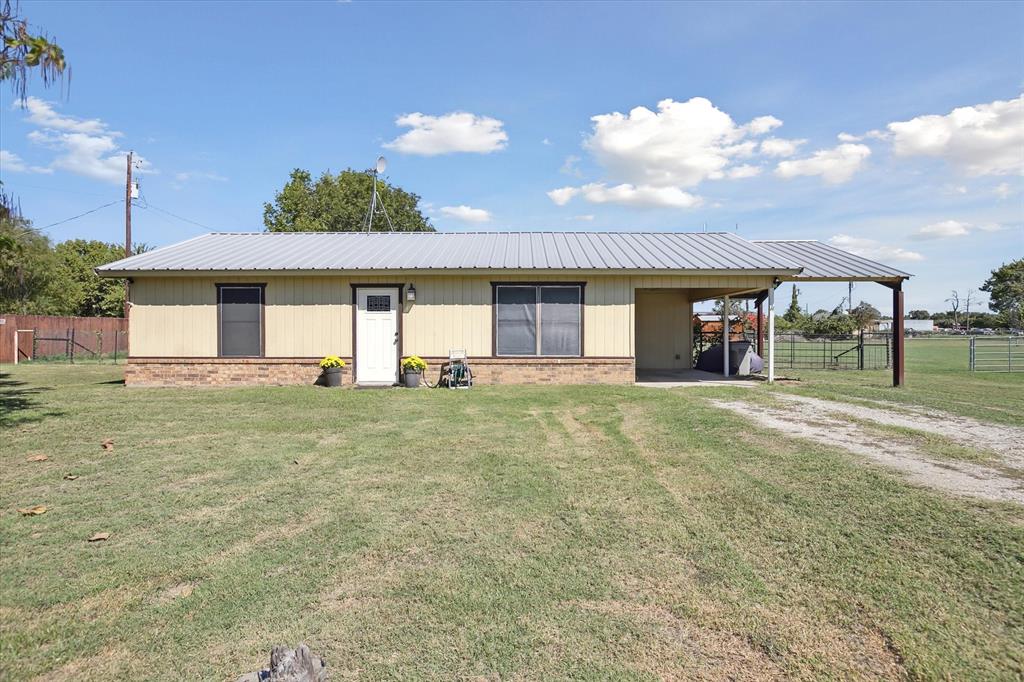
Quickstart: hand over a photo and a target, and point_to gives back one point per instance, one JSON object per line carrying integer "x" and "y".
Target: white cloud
{"x": 744, "y": 171}
{"x": 646, "y": 196}
{"x": 12, "y": 163}
{"x": 985, "y": 139}
{"x": 42, "y": 114}
{"x": 571, "y": 166}
{"x": 762, "y": 124}
{"x": 942, "y": 230}
{"x": 584, "y": 218}
{"x": 873, "y": 249}
{"x": 467, "y": 214}
{"x": 835, "y": 166}
{"x": 1002, "y": 190}
{"x": 947, "y": 229}
{"x": 847, "y": 137}
{"x": 546, "y": 142}
{"x": 679, "y": 145}
{"x": 85, "y": 147}
{"x": 562, "y": 195}
{"x": 776, "y": 146}
{"x": 457, "y": 131}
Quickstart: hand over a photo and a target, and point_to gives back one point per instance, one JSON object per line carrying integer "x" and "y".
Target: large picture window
{"x": 538, "y": 319}
{"x": 240, "y": 318}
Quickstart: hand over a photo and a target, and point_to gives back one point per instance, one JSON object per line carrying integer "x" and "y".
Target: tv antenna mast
{"x": 382, "y": 164}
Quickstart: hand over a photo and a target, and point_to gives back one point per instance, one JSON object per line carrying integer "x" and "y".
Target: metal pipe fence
{"x": 864, "y": 350}
{"x": 796, "y": 350}
{"x": 996, "y": 354}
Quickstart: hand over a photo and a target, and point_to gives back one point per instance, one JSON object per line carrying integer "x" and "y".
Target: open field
{"x": 937, "y": 377}
{"x": 589, "y": 532}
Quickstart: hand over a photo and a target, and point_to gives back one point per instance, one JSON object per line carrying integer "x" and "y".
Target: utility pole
{"x": 128, "y": 208}
{"x": 849, "y": 300}
{"x": 127, "y": 225}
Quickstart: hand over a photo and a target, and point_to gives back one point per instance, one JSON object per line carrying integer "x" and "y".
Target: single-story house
{"x": 527, "y": 307}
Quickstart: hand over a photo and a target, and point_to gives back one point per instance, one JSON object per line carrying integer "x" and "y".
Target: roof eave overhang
{"x": 857, "y": 278}
{"x": 439, "y": 272}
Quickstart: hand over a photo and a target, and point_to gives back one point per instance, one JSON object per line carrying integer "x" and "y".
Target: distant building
{"x": 912, "y": 325}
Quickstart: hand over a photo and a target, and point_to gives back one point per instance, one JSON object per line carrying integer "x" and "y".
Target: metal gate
{"x": 997, "y": 354}
{"x": 865, "y": 350}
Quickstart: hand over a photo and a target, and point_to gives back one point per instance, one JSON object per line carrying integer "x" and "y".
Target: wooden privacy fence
{"x": 30, "y": 337}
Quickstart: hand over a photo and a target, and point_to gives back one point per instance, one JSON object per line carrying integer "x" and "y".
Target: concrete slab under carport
{"x": 689, "y": 378}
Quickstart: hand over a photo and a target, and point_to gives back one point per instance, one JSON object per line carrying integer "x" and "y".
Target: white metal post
{"x": 725, "y": 334}
{"x": 771, "y": 335}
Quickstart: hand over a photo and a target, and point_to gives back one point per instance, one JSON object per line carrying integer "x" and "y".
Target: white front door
{"x": 377, "y": 336}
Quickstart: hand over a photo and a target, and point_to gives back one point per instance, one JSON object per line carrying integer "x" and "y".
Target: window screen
{"x": 559, "y": 320}
{"x": 517, "y": 321}
{"x": 538, "y": 320}
{"x": 241, "y": 321}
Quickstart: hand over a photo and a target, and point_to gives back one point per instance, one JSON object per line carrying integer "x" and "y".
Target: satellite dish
{"x": 382, "y": 163}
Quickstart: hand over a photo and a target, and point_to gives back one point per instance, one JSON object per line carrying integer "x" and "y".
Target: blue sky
{"x": 603, "y": 116}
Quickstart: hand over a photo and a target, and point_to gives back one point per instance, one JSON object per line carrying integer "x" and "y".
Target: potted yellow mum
{"x": 413, "y": 368}
{"x": 331, "y": 367}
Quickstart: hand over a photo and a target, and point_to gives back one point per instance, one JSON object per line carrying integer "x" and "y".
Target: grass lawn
{"x": 588, "y": 532}
{"x": 937, "y": 377}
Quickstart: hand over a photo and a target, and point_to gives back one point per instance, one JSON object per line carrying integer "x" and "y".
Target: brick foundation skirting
{"x": 225, "y": 371}
{"x": 284, "y": 371}
{"x": 544, "y": 370}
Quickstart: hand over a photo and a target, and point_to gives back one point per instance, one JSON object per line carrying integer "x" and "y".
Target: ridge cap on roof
{"x": 494, "y": 232}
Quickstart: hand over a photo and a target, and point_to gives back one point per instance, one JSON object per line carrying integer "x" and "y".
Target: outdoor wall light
{"x": 410, "y": 294}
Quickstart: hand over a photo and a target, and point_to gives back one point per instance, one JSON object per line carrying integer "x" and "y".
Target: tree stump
{"x": 290, "y": 665}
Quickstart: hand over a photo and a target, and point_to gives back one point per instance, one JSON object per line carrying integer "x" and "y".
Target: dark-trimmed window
{"x": 240, "y": 320}
{"x": 538, "y": 319}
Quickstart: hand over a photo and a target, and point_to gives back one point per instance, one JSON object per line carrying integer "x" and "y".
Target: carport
{"x": 824, "y": 263}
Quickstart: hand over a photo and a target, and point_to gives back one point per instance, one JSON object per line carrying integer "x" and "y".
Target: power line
{"x": 76, "y": 217}
{"x": 146, "y": 205}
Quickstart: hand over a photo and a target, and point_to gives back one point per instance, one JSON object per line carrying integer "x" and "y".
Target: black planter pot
{"x": 412, "y": 379}
{"x": 332, "y": 376}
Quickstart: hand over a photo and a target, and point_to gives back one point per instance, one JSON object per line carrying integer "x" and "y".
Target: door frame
{"x": 399, "y": 309}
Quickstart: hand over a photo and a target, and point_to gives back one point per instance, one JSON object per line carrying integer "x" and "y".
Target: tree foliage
{"x": 339, "y": 203}
{"x": 1005, "y": 287}
{"x": 26, "y": 262}
{"x": 864, "y": 314}
{"x": 919, "y": 315}
{"x": 793, "y": 314}
{"x": 37, "y": 278}
{"x": 24, "y": 51}
{"x": 82, "y": 292}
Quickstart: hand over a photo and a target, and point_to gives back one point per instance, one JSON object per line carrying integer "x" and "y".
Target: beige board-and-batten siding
{"x": 311, "y": 316}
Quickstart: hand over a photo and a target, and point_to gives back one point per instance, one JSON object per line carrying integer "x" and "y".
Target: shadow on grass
{"x": 18, "y": 402}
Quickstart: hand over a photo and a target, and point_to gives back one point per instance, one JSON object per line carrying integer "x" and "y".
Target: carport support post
{"x": 897, "y": 333}
{"x": 760, "y": 322}
{"x": 725, "y": 335}
{"x": 771, "y": 335}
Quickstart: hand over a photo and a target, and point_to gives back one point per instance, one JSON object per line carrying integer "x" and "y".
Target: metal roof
{"x": 823, "y": 262}
{"x": 356, "y": 251}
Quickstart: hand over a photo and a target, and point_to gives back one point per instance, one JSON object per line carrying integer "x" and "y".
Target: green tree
{"x": 339, "y": 203}
{"x": 793, "y": 314}
{"x": 864, "y": 314}
{"x": 1005, "y": 288}
{"x": 918, "y": 315}
{"x": 23, "y": 51}
{"x": 80, "y": 291}
{"x": 26, "y": 263}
